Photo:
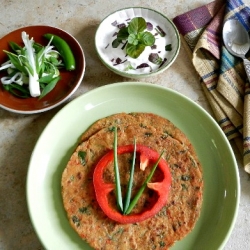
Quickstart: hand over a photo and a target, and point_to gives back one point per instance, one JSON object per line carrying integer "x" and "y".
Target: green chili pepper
{"x": 64, "y": 49}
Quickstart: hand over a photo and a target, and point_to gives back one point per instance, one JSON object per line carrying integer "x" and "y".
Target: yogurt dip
{"x": 117, "y": 57}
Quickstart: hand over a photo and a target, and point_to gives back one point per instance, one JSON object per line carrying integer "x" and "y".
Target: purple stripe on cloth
{"x": 192, "y": 20}
{"x": 196, "y": 18}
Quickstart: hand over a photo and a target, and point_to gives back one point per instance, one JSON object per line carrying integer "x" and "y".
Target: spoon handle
{"x": 247, "y": 67}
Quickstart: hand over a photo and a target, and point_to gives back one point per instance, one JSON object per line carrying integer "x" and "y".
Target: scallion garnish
{"x": 117, "y": 175}
{"x": 129, "y": 205}
{"x": 144, "y": 185}
{"x": 130, "y": 183}
{"x": 33, "y": 67}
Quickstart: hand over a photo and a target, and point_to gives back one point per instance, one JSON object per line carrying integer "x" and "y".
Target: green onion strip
{"x": 129, "y": 189}
{"x": 117, "y": 175}
{"x": 140, "y": 191}
{"x": 129, "y": 205}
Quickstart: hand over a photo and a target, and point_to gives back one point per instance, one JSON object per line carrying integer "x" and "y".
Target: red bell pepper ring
{"x": 102, "y": 189}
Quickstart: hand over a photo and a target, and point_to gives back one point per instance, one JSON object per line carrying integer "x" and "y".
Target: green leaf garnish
{"x": 16, "y": 61}
{"x": 130, "y": 183}
{"x": 135, "y": 36}
{"x": 46, "y": 79}
{"x": 15, "y": 47}
{"x": 147, "y": 38}
{"x": 132, "y": 39}
{"x": 137, "y": 24}
{"x": 116, "y": 43}
{"x": 50, "y": 86}
{"x": 82, "y": 157}
{"x": 17, "y": 90}
{"x": 117, "y": 175}
{"x": 123, "y": 34}
{"x": 128, "y": 204}
{"x": 134, "y": 50}
{"x": 142, "y": 188}
{"x": 168, "y": 47}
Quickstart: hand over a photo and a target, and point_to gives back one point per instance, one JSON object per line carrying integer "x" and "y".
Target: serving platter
{"x": 60, "y": 137}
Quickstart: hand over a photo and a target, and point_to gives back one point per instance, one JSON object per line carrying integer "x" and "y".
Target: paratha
{"x": 175, "y": 220}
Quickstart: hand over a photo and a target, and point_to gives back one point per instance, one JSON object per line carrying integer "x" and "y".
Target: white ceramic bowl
{"x": 108, "y": 29}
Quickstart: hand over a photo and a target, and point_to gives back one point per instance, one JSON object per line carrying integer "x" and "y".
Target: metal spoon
{"x": 237, "y": 41}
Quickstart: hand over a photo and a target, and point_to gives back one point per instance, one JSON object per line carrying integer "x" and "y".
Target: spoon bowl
{"x": 237, "y": 42}
{"x": 236, "y": 38}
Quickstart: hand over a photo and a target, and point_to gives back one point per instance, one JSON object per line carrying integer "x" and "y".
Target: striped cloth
{"x": 222, "y": 75}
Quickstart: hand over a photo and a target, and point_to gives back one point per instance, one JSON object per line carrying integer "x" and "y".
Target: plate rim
{"x": 147, "y": 85}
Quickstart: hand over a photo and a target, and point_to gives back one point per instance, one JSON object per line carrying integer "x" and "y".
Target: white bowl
{"x": 106, "y": 33}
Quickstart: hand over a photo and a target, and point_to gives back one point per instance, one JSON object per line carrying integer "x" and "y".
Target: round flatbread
{"x": 175, "y": 220}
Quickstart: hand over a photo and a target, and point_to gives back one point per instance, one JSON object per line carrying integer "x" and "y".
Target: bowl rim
{"x": 161, "y": 69}
{"x": 69, "y": 94}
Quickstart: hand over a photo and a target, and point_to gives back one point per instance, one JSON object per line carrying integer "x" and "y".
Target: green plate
{"x": 59, "y": 139}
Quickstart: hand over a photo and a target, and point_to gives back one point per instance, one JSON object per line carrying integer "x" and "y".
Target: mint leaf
{"x": 122, "y": 34}
{"x": 147, "y": 39}
{"x": 116, "y": 43}
{"x": 132, "y": 39}
{"x": 137, "y": 24}
{"x": 134, "y": 50}
{"x": 168, "y": 47}
{"x": 135, "y": 37}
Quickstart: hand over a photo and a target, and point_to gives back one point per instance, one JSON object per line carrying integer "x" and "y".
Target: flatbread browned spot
{"x": 175, "y": 220}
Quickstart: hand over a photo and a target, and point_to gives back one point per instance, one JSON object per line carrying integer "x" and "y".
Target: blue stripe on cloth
{"x": 228, "y": 61}
{"x": 243, "y": 17}
{"x": 239, "y": 127}
{"x": 204, "y": 77}
{"x": 212, "y": 88}
{"x": 233, "y": 4}
{"x": 241, "y": 14}
{"x": 223, "y": 120}
{"x": 226, "y": 119}
{"x": 232, "y": 131}
{"x": 209, "y": 74}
